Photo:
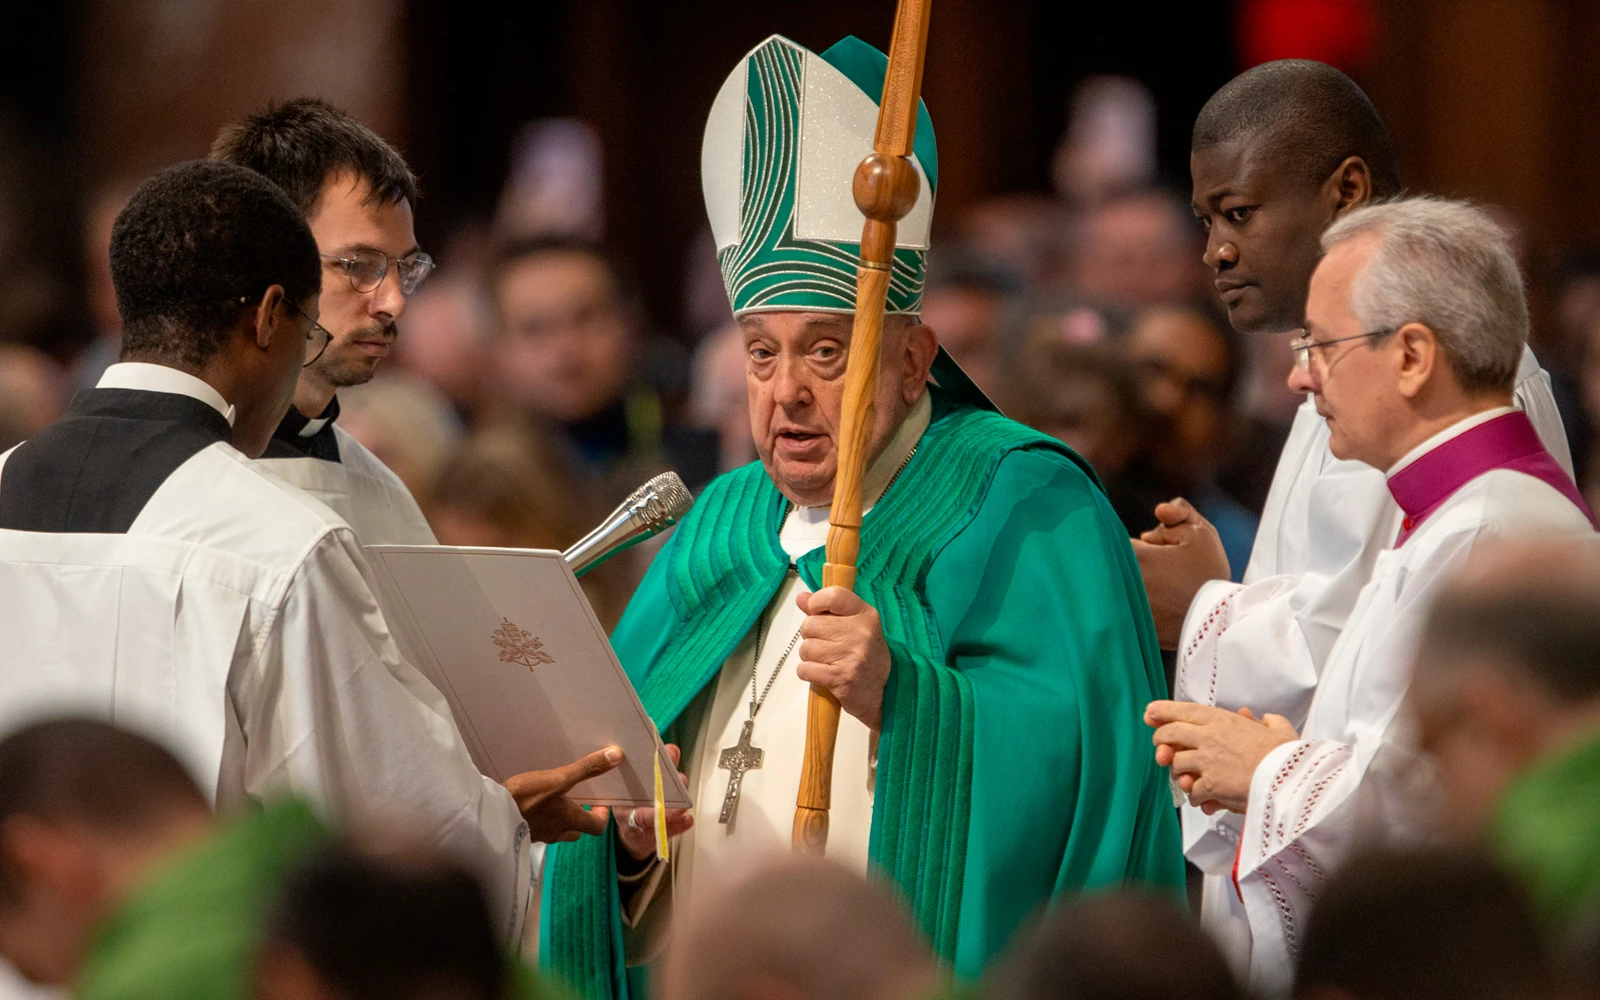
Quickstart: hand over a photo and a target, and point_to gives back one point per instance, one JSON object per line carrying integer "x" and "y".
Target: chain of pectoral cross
{"x": 742, "y": 757}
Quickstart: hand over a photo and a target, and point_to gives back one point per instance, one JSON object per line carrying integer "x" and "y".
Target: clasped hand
{"x": 1176, "y": 558}
{"x": 1214, "y": 753}
{"x": 844, "y": 651}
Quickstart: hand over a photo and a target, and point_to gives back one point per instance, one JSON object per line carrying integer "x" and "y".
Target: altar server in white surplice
{"x": 1414, "y": 326}
{"x": 357, "y": 194}
{"x": 1278, "y": 154}
{"x": 156, "y": 577}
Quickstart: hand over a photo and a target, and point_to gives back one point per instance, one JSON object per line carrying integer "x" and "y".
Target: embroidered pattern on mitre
{"x": 782, "y": 142}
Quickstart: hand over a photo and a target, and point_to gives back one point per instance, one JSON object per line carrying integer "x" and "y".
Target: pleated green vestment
{"x": 1013, "y": 765}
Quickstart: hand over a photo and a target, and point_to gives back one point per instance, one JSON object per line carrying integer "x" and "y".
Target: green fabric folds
{"x": 1547, "y": 829}
{"x": 1013, "y": 765}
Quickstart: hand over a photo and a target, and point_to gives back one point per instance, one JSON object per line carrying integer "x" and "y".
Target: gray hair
{"x": 1447, "y": 265}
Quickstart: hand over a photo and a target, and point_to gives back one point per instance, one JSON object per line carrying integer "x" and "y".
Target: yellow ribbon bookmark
{"x": 661, "y": 813}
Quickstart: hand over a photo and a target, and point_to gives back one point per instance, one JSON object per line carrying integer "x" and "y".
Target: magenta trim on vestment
{"x": 1506, "y": 442}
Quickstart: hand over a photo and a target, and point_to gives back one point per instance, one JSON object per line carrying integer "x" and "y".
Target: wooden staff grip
{"x": 810, "y": 832}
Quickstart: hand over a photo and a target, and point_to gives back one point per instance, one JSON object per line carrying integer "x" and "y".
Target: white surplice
{"x": 763, "y": 820}
{"x": 361, "y": 490}
{"x": 1354, "y": 775}
{"x": 234, "y": 620}
{"x": 1262, "y": 643}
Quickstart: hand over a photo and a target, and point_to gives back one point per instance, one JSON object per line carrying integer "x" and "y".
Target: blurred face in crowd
{"x": 794, "y": 370}
{"x": 347, "y": 223}
{"x": 1182, "y": 366}
{"x": 1262, "y": 225}
{"x": 566, "y": 342}
{"x": 1355, "y": 381}
{"x": 967, "y": 320}
{"x": 1138, "y": 251}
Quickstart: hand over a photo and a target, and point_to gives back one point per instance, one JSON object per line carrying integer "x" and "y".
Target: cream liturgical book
{"x": 508, "y": 637}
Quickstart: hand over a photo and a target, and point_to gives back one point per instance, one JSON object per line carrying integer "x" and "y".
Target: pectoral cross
{"x": 738, "y": 759}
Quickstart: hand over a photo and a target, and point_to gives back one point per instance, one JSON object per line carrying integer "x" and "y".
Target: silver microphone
{"x": 649, "y": 510}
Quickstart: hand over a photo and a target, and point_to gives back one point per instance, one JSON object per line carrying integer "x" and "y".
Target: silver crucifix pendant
{"x": 737, "y": 760}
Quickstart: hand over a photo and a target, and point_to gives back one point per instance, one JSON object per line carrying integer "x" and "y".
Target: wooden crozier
{"x": 885, "y": 188}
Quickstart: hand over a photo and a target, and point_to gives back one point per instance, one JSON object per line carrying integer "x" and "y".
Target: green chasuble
{"x": 1547, "y": 830}
{"x": 1013, "y": 764}
{"x": 192, "y": 930}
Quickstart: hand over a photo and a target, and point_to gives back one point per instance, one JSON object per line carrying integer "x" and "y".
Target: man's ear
{"x": 269, "y": 317}
{"x": 1419, "y": 357}
{"x": 922, "y": 346}
{"x": 1349, "y": 186}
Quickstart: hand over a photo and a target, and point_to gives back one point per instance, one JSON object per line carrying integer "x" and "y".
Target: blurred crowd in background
{"x": 531, "y": 389}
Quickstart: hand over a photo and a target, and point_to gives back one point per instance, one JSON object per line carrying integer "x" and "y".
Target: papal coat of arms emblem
{"x": 519, "y": 646}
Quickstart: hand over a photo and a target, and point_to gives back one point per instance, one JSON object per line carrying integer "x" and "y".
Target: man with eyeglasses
{"x": 357, "y": 195}
{"x": 1278, "y": 154}
{"x": 1415, "y": 327}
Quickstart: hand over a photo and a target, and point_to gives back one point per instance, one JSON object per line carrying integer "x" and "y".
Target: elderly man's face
{"x": 1355, "y": 381}
{"x": 794, "y": 370}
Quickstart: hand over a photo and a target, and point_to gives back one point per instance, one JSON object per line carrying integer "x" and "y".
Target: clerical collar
{"x": 1455, "y": 430}
{"x": 807, "y": 527}
{"x": 159, "y": 378}
{"x": 299, "y": 436}
{"x": 1502, "y": 438}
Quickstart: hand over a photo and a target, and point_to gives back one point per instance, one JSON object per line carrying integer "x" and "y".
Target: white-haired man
{"x": 1415, "y": 325}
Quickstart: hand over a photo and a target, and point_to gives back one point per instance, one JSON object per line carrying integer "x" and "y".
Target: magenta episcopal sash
{"x": 1506, "y": 442}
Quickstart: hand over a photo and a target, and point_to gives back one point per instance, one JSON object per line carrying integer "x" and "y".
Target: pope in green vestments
{"x": 995, "y": 659}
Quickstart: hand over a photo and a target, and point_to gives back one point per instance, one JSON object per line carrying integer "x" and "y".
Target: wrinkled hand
{"x": 1213, "y": 753}
{"x": 844, "y": 651}
{"x": 636, "y": 827}
{"x": 541, "y": 796}
{"x": 1176, "y": 557}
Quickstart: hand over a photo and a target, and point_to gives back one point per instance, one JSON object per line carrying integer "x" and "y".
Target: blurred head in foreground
{"x": 1507, "y": 699}
{"x": 1124, "y": 946}
{"x": 1505, "y": 671}
{"x": 86, "y": 811}
{"x": 799, "y": 929}
{"x": 1418, "y": 925}
{"x": 356, "y": 924}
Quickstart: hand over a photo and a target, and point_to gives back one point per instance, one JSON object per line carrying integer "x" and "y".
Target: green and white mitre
{"x": 786, "y": 133}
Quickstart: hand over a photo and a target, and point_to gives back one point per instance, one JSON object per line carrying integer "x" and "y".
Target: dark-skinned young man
{"x": 1278, "y": 153}
{"x": 158, "y": 576}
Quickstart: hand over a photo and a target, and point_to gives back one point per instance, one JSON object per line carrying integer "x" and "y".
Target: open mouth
{"x": 794, "y": 440}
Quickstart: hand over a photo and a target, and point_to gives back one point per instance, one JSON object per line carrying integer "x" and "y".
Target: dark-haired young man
{"x": 1278, "y": 154}
{"x": 357, "y": 194}
{"x": 156, "y": 576}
